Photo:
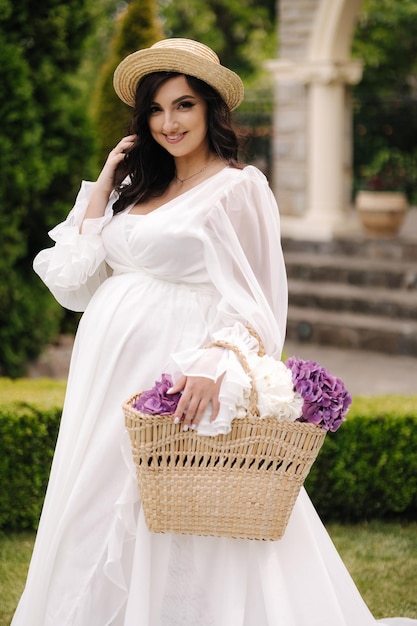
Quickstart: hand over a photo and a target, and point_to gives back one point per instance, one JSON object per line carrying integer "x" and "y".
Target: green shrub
{"x": 29, "y": 319}
{"x": 368, "y": 468}
{"x": 46, "y": 144}
{"x": 27, "y": 439}
{"x": 30, "y": 412}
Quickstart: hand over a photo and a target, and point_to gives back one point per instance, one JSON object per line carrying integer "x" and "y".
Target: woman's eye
{"x": 185, "y": 105}
{"x": 154, "y": 109}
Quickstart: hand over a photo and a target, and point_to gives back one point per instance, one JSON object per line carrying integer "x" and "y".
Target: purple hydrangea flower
{"x": 326, "y": 399}
{"x": 157, "y": 401}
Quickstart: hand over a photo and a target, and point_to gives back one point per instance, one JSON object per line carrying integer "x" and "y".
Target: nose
{"x": 170, "y": 124}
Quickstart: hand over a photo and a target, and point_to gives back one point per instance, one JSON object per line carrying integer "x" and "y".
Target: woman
{"x": 174, "y": 245}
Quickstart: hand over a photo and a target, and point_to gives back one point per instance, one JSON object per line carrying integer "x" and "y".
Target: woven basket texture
{"x": 243, "y": 484}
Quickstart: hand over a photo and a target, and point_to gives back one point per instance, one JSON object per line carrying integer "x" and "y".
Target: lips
{"x": 174, "y": 138}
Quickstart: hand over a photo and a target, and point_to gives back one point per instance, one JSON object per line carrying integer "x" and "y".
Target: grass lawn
{"x": 42, "y": 392}
{"x": 381, "y": 557}
{"x": 15, "y": 551}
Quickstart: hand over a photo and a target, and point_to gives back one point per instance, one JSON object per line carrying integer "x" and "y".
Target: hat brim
{"x": 137, "y": 65}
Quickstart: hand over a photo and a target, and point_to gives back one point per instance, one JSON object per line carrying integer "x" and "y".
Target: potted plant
{"x": 382, "y": 203}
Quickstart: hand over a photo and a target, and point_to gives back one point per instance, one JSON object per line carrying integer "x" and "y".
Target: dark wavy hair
{"x": 150, "y": 167}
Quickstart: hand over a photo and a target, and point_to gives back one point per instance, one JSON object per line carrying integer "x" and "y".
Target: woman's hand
{"x": 105, "y": 181}
{"x": 104, "y": 184}
{"x": 197, "y": 393}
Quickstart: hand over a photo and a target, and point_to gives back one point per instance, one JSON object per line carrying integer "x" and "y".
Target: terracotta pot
{"x": 381, "y": 213}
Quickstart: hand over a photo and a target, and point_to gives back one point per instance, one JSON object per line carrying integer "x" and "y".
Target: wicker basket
{"x": 243, "y": 484}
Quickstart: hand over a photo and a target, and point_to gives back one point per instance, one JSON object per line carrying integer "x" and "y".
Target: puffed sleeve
{"x": 242, "y": 248}
{"x": 75, "y": 267}
{"x": 245, "y": 260}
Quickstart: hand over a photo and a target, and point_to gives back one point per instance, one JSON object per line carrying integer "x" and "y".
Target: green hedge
{"x": 27, "y": 439}
{"x": 367, "y": 469}
{"x": 30, "y": 412}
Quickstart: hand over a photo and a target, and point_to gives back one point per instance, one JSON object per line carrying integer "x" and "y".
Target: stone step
{"x": 354, "y": 270}
{"x": 354, "y": 293}
{"x": 398, "y": 249}
{"x": 379, "y": 301}
{"x": 352, "y": 330}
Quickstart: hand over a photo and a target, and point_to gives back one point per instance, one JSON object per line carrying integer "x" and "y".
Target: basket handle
{"x": 253, "y": 397}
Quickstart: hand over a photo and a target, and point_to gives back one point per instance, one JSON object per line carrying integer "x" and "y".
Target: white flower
{"x": 274, "y": 384}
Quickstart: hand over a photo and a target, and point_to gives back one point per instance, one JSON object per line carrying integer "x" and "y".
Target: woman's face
{"x": 178, "y": 119}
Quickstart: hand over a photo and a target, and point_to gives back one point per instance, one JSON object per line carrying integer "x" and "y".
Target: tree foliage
{"x": 45, "y": 143}
{"x": 385, "y": 112}
{"x": 385, "y": 40}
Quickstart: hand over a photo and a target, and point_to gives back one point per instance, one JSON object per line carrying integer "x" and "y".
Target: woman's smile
{"x": 175, "y": 138}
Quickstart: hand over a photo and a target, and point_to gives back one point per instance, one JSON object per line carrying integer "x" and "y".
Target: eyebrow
{"x": 180, "y": 99}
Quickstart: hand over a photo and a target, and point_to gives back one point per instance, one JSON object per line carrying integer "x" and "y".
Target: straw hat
{"x": 177, "y": 55}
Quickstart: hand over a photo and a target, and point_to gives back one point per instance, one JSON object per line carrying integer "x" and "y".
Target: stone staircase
{"x": 353, "y": 293}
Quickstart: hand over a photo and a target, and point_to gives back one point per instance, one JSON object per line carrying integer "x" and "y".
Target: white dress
{"x": 155, "y": 289}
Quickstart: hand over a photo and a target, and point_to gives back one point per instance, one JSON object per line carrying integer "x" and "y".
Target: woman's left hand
{"x": 197, "y": 393}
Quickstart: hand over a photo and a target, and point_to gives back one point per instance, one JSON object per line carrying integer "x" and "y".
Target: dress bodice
{"x": 156, "y": 245}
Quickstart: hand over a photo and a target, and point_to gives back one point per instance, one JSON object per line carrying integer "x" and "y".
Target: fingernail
{"x": 185, "y": 428}
{"x": 193, "y": 426}
{"x": 176, "y": 420}
{"x": 170, "y": 390}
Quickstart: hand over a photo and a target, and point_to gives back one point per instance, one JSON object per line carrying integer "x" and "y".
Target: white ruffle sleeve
{"x": 74, "y": 267}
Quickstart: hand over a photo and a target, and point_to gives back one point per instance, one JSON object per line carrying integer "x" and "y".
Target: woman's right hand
{"x": 105, "y": 181}
{"x": 104, "y": 184}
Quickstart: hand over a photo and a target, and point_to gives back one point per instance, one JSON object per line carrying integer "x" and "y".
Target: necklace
{"x": 183, "y": 180}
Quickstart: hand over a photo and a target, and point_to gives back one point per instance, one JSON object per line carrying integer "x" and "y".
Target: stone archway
{"x": 312, "y": 143}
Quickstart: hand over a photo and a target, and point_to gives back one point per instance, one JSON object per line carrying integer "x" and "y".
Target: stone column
{"x": 313, "y": 182}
